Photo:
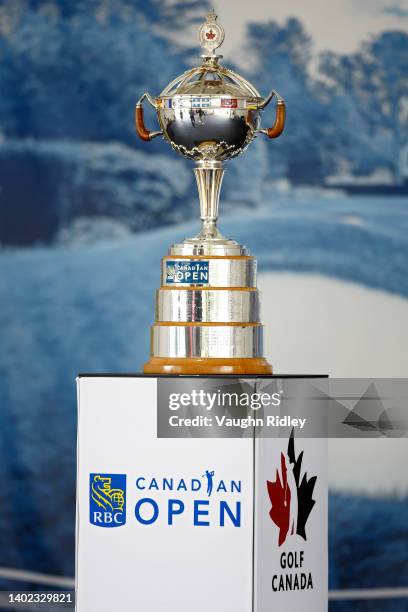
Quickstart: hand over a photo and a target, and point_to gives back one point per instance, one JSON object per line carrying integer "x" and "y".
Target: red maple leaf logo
{"x": 210, "y": 35}
{"x": 280, "y": 495}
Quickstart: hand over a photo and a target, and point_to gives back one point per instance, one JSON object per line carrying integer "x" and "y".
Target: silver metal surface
{"x": 221, "y": 272}
{"x": 207, "y": 306}
{"x": 215, "y": 247}
{"x": 209, "y": 184}
{"x": 211, "y": 77}
{"x": 199, "y": 132}
{"x": 272, "y": 94}
{"x": 207, "y": 341}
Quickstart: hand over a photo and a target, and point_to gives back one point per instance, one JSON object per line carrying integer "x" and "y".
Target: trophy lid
{"x": 210, "y": 78}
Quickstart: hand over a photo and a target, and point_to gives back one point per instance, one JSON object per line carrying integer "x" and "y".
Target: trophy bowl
{"x": 210, "y": 113}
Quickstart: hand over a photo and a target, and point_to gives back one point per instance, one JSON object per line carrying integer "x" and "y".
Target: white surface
{"x": 146, "y": 567}
{"x": 181, "y": 567}
{"x": 312, "y": 553}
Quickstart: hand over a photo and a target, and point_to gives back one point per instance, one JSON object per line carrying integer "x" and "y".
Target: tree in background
{"x": 350, "y": 114}
{"x": 71, "y": 73}
{"x": 281, "y": 59}
{"x": 75, "y": 69}
{"x": 369, "y": 101}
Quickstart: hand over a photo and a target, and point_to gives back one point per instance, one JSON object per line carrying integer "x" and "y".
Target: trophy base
{"x": 207, "y": 366}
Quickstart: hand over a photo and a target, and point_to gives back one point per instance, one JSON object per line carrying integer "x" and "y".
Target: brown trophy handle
{"x": 279, "y": 125}
{"x": 141, "y": 130}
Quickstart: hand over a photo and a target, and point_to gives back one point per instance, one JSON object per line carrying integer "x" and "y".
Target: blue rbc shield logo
{"x": 107, "y": 500}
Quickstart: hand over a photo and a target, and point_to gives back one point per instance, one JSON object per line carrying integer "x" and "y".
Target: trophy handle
{"x": 141, "y": 129}
{"x": 280, "y": 115}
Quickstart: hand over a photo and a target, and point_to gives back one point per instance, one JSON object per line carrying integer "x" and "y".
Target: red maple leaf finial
{"x": 210, "y": 35}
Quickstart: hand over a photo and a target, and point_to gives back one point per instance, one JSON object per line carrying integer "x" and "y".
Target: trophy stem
{"x": 209, "y": 175}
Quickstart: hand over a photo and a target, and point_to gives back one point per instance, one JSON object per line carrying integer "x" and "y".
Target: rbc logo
{"x": 107, "y": 500}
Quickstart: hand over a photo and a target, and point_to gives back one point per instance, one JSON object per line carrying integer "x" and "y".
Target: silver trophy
{"x": 207, "y": 309}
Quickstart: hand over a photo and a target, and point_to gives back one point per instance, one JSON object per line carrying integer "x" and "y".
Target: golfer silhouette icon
{"x": 210, "y": 481}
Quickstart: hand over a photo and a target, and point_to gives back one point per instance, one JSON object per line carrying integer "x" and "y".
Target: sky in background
{"x": 336, "y": 25}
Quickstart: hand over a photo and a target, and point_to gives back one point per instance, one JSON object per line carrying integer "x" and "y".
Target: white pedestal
{"x": 203, "y": 524}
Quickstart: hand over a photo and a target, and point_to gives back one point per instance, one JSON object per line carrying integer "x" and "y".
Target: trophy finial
{"x": 211, "y": 34}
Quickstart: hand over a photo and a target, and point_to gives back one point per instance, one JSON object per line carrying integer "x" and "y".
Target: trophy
{"x": 207, "y": 308}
